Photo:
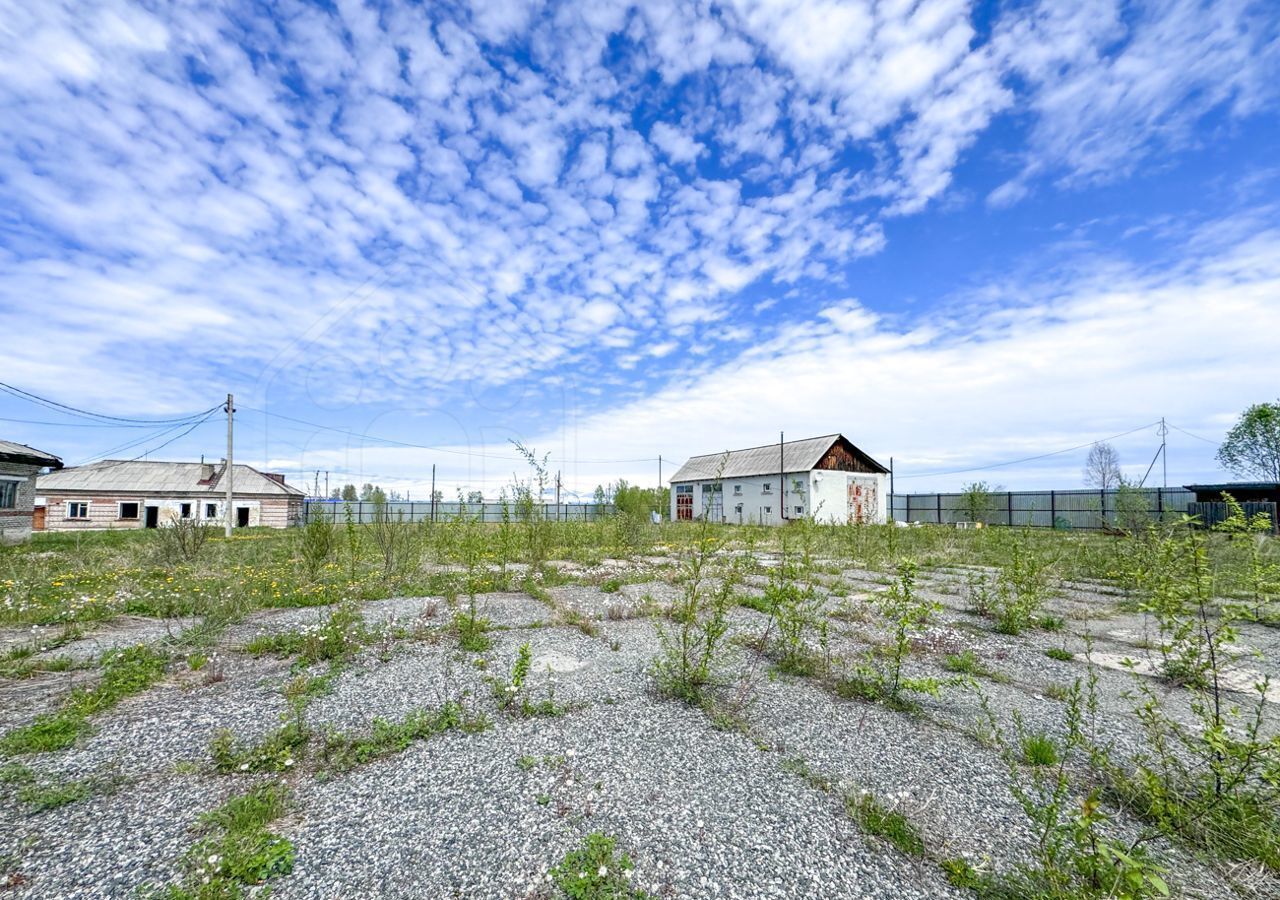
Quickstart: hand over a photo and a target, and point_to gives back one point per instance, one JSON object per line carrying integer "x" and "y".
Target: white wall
{"x": 758, "y": 506}
{"x": 831, "y": 493}
{"x": 822, "y": 494}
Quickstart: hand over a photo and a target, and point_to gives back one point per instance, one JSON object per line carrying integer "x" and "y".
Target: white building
{"x": 824, "y": 478}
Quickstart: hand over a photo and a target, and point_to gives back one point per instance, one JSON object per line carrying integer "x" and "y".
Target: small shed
{"x": 19, "y": 466}
{"x": 825, "y": 478}
{"x": 1242, "y": 491}
{"x": 1254, "y": 496}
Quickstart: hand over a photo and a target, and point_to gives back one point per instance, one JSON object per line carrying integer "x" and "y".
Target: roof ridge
{"x": 834, "y": 434}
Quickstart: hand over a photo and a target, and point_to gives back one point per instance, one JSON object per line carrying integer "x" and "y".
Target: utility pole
{"x": 1164, "y": 456}
{"x": 782, "y": 475}
{"x": 326, "y": 484}
{"x": 433, "y": 492}
{"x": 557, "y": 496}
{"x": 231, "y": 409}
{"x": 890, "y": 519}
{"x": 662, "y": 513}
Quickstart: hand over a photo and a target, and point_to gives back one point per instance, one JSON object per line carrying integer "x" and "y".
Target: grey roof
{"x": 11, "y": 451}
{"x": 157, "y": 477}
{"x": 796, "y": 456}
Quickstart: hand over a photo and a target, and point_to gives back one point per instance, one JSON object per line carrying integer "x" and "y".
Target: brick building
{"x": 19, "y": 465}
{"x": 150, "y": 493}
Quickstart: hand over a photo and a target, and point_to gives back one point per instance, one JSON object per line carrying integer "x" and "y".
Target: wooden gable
{"x": 843, "y": 456}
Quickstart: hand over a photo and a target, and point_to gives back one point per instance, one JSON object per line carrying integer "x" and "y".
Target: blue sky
{"x": 958, "y": 233}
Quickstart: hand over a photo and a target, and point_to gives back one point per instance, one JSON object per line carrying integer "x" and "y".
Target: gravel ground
{"x": 704, "y": 813}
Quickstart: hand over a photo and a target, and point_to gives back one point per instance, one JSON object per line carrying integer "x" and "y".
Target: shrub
{"x": 182, "y": 541}
{"x": 472, "y": 628}
{"x": 792, "y": 599}
{"x": 690, "y": 648}
{"x": 1021, "y": 589}
{"x": 1213, "y": 779}
{"x": 1075, "y": 850}
{"x": 399, "y": 543}
{"x": 878, "y": 676}
{"x": 319, "y": 542}
{"x": 1062, "y": 654}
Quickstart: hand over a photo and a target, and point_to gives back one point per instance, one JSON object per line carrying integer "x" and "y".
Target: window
{"x": 713, "y": 488}
{"x": 211, "y": 510}
{"x": 128, "y": 510}
{"x": 77, "y": 510}
{"x": 738, "y": 508}
{"x": 8, "y": 494}
{"x": 767, "y": 487}
{"x": 799, "y": 510}
{"x": 184, "y": 510}
{"x": 768, "y": 510}
{"x": 737, "y": 490}
{"x": 680, "y": 489}
{"x": 798, "y": 486}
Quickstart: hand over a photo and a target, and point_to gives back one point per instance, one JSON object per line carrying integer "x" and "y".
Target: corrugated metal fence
{"x": 424, "y": 510}
{"x": 1046, "y": 509}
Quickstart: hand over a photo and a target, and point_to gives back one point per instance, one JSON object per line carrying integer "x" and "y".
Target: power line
{"x": 72, "y": 424}
{"x": 151, "y": 450}
{"x": 87, "y": 414}
{"x": 1189, "y": 434}
{"x": 1014, "y": 462}
{"x": 470, "y": 454}
{"x": 160, "y": 433}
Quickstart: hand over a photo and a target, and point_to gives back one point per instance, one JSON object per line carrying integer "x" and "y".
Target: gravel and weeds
{"x": 617, "y": 709}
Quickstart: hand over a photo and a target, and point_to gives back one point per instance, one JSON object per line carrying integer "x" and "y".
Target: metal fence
{"x": 1214, "y": 513}
{"x": 1046, "y": 509}
{"x": 424, "y": 510}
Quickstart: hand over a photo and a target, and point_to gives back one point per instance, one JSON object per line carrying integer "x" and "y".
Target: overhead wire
{"x": 192, "y": 427}
{"x": 88, "y": 414}
{"x": 1014, "y": 462}
{"x": 471, "y": 454}
{"x": 1189, "y": 434}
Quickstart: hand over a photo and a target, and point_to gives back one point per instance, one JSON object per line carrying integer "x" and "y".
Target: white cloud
{"x": 390, "y": 203}
{"x": 677, "y": 145}
{"x": 1110, "y": 86}
{"x": 1110, "y": 350}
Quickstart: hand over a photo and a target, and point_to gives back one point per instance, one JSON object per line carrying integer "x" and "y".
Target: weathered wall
{"x": 15, "y": 524}
{"x": 823, "y": 495}
{"x": 758, "y": 505}
{"x": 104, "y": 510}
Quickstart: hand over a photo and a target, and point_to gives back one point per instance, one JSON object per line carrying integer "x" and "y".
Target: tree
{"x": 475, "y": 497}
{"x": 336, "y": 494}
{"x": 1252, "y": 446}
{"x": 349, "y": 493}
{"x": 1102, "y": 467}
{"x": 976, "y": 501}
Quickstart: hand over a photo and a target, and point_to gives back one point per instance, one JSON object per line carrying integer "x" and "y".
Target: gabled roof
{"x": 21, "y": 453}
{"x": 795, "y": 456}
{"x": 157, "y": 477}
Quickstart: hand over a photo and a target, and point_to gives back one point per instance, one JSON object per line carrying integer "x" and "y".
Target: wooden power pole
{"x": 231, "y": 409}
